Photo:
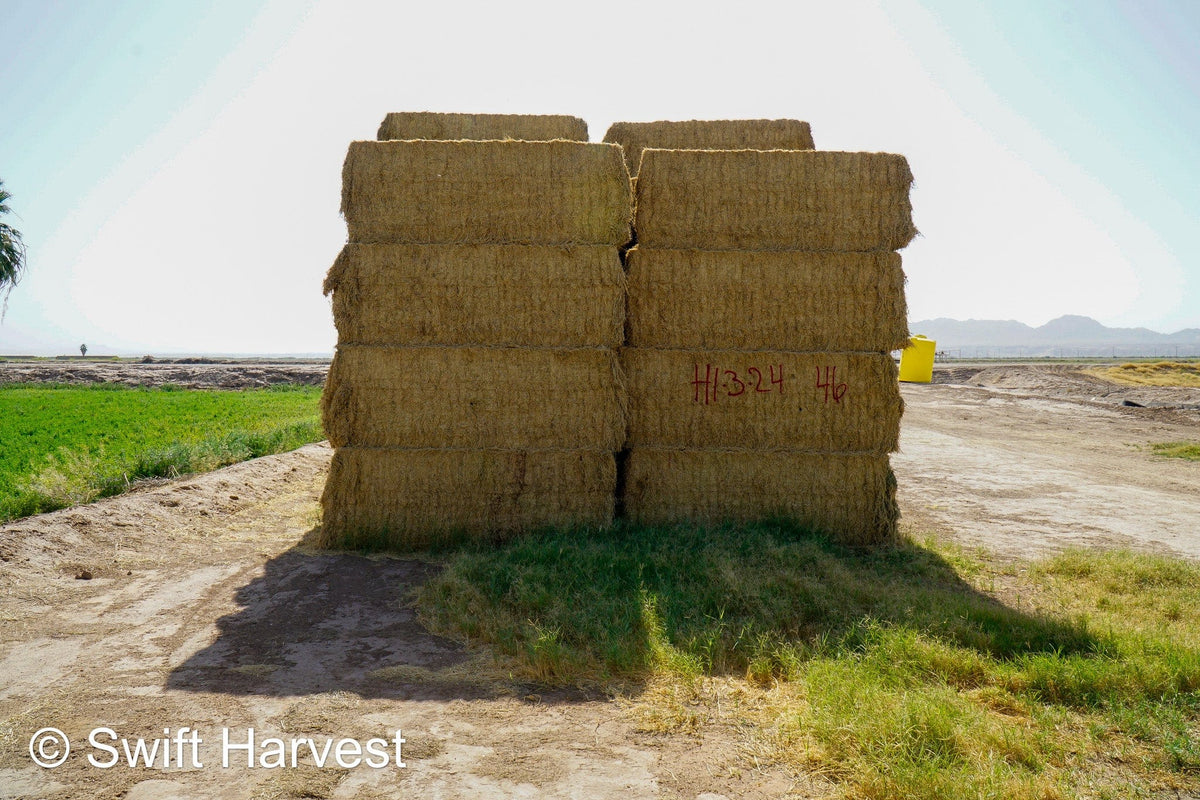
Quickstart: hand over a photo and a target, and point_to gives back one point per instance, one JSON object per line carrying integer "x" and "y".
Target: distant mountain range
{"x": 1069, "y": 336}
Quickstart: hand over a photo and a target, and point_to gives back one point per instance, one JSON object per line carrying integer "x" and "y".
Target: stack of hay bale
{"x": 765, "y": 298}
{"x": 478, "y": 303}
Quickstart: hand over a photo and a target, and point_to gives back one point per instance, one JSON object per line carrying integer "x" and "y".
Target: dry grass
{"x": 480, "y": 673}
{"x": 305, "y": 782}
{"x": 1153, "y": 373}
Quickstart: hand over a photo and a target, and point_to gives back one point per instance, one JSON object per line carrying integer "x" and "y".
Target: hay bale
{"x": 851, "y": 497}
{"x": 720, "y": 134}
{"x": 508, "y": 397}
{"x": 775, "y": 400}
{"x": 527, "y": 127}
{"x": 410, "y": 499}
{"x": 769, "y": 300}
{"x": 478, "y": 294}
{"x": 459, "y": 192}
{"x": 776, "y": 200}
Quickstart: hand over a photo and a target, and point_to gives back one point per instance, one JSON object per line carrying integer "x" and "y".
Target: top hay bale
{"x": 721, "y": 134}
{"x": 491, "y": 192}
{"x": 773, "y": 200}
{"x": 526, "y": 127}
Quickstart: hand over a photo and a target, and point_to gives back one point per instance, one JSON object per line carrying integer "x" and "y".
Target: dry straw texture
{"x": 486, "y": 192}
{"x": 851, "y": 497}
{"x": 528, "y": 127}
{"x": 763, "y": 400}
{"x": 515, "y": 397}
{"x": 478, "y": 294}
{"x": 415, "y": 498}
{"x": 774, "y": 200}
{"x": 776, "y": 300}
{"x": 721, "y": 134}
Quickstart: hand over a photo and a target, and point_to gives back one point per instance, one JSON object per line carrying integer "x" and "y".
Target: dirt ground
{"x": 196, "y": 603}
{"x": 190, "y": 373}
{"x": 1025, "y": 460}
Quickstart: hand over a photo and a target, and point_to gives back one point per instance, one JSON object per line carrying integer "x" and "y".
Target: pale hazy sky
{"x": 176, "y": 166}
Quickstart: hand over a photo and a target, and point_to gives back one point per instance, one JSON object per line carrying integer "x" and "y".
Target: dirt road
{"x": 1023, "y": 461}
{"x": 196, "y": 604}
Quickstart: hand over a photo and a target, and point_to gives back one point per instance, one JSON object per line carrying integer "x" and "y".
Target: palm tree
{"x": 12, "y": 253}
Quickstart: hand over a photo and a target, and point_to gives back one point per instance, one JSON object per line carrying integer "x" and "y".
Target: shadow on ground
{"x": 323, "y": 622}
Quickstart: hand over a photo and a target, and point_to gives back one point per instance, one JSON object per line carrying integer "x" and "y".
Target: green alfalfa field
{"x": 64, "y": 445}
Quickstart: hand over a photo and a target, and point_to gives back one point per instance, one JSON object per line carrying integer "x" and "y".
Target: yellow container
{"x": 916, "y": 360}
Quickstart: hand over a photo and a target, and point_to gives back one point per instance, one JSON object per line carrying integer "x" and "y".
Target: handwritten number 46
{"x": 832, "y": 388}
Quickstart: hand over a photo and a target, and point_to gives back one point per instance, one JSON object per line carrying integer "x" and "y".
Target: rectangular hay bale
{"x": 850, "y": 497}
{"x": 714, "y": 134}
{"x": 507, "y": 397}
{"x": 408, "y": 499}
{"x": 524, "y": 127}
{"x": 430, "y": 192}
{"x": 523, "y": 295}
{"x": 768, "y": 300}
{"x": 771, "y": 400}
{"x": 776, "y": 200}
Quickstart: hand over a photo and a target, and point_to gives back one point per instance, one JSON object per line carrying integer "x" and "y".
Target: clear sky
{"x": 175, "y": 167}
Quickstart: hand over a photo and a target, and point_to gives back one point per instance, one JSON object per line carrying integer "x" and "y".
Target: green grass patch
{"x": 1185, "y": 450}
{"x": 910, "y": 671}
{"x": 68, "y": 445}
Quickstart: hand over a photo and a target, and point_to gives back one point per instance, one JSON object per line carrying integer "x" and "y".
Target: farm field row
{"x": 65, "y": 445}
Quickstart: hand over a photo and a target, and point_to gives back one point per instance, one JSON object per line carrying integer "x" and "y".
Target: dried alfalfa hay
{"x": 507, "y": 397}
{"x": 767, "y": 300}
{"x": 840, "y": 402}
{"x": 415, "y": 498}
{"x": 773, "y": 200}
{"x": 524, "y": 295}
{"x": 852, "y": 497}
{"x": 423, "y": 192}
{"x": 527, "y": 127}
{"x": 720, "y": 134}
